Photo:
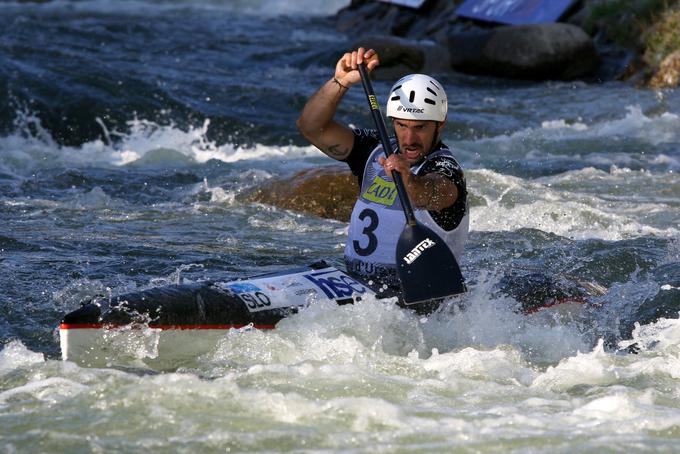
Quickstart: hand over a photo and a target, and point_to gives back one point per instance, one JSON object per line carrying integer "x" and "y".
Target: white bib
{"x": 378, "y": 219}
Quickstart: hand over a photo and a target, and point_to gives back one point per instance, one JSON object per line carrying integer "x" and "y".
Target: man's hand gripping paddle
{"x": 426, "y": 267}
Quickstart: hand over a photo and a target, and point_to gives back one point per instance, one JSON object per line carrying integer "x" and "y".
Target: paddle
{"x": 426, "y": 267}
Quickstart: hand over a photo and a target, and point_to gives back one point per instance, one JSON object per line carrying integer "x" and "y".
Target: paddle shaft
{"x": 385, "y": 140}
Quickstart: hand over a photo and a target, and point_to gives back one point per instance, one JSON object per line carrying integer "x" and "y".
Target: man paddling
{"x": 434, "y": 181}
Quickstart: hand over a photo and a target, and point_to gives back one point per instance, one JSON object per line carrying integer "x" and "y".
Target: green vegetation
{"x": 663, "y": 37}
{"x": 649, "y": 27}
{"x": 624, "y": 21}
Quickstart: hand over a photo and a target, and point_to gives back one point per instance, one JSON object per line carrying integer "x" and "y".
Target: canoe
{"x": 184, "y": 321}
{"x": 175, "y": 324}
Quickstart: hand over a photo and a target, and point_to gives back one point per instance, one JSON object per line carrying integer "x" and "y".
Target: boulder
{"x": 415, "y": 39}
{"x": 327, "y": 192}
{"x": 537, "y": 51}
{"x": 620, "y": 30}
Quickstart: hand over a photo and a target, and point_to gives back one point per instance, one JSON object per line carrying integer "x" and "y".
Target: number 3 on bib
{"x": 368, "y": 231}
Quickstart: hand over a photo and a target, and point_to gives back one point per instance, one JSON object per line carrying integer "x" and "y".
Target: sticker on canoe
{"x": 295, "y": 290}
{"x": 336, "y": 284}
{"x": 243, "y": 287}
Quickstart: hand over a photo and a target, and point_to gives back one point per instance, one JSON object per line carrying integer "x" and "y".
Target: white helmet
{"x": 417, "y": 97}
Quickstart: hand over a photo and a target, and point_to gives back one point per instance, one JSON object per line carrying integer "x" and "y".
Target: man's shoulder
{"x": 367, "y": 134}
{"x": 442, "y": 161}
{"x": 365, "y": 141}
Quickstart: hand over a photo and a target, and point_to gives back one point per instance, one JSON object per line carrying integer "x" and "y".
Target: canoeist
{"x": 417, "y": 106}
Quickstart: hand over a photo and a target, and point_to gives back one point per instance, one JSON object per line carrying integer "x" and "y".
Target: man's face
{"x": 416, "y": 137}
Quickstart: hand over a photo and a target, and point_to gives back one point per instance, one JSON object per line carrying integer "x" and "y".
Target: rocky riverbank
{"x": 635, "y": 40}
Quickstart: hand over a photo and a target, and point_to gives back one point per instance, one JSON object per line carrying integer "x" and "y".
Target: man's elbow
{"x": 313, "y": 133}
{"x": 303, "y": 126}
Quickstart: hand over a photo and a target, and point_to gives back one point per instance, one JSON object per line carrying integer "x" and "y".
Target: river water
{"x": 129, "y": 129}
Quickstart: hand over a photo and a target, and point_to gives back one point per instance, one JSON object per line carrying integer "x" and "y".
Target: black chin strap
{"x": 436, "y": 140}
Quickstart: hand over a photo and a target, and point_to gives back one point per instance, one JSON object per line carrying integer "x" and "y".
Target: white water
{"x": 366, "y": 378}
{"x": 612, "y": 204}
{"x": 564, "y": 178}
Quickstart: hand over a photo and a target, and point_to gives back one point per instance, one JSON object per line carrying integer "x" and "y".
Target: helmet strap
{"x": 436, "y": 138}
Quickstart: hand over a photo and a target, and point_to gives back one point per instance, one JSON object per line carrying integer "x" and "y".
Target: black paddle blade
{"x": 426, "y": 266}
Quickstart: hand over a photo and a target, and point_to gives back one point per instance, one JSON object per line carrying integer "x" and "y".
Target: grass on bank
{"x": 651, "y": 28}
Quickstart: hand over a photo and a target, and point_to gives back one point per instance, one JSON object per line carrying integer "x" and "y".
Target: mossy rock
{"x": 327, "y": 192}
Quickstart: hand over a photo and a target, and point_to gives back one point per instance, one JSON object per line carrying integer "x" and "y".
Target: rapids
{"x": 127, "y": 134}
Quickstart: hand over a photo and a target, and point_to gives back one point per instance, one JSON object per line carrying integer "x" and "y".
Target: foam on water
{"x": 572, "y": 205}
{"x": 653, "y": 129}
{"x": 32, "y": 144}
{"x": 662, "y": 336}
{"x": 273, "y": 219}
{"x": 371, "y": 374}
{"x": 93, "y": 199}
{"x": 145, "y": 137}
{"x": 585, "y": 203}
{"x": 15, "y": 355}
{"x": 607, "y": 143}
{"x": 490, "y": 319}
{"x": 650, "y": 128}
{"x": 145, "y": 144}
{"x": 152, "y": 202}
{"x": 376, "y": 333}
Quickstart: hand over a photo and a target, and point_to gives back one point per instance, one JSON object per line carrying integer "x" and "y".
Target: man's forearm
{"x": 431, "y": 192}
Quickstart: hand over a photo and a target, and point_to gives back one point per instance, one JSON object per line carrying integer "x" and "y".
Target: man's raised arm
{"x": 317, "y": 121}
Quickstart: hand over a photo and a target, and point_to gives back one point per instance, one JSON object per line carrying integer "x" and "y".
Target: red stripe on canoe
{"x": 568, "y": 300}
{"x": 108, "y": 326}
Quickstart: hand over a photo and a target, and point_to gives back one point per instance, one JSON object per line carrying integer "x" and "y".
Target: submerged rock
{"x": 327, "y": 192}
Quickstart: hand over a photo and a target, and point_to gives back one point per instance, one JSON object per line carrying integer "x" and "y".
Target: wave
{"x": 598, "y": 199}
{"x": 259, "y": 7}
{"x": 637, "y": 141}
{"x": 634, "y": 144}
{"x": 587, "y": 203}
{"x": 146, "y": 143}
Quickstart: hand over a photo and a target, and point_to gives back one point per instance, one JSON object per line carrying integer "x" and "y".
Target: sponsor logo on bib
{"x": 381, "y": 191}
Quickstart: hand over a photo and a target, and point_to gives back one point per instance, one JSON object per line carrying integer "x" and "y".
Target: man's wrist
{"x": 340, "y": 84}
